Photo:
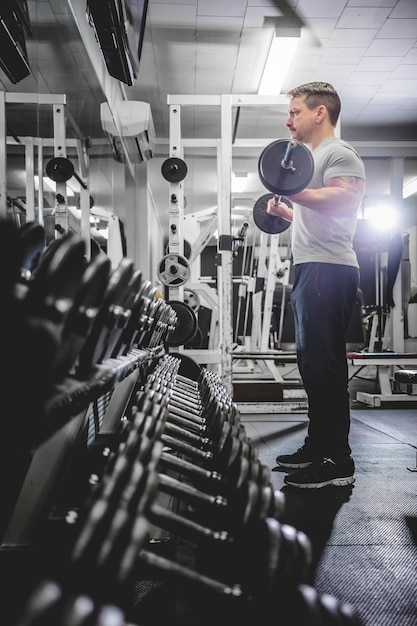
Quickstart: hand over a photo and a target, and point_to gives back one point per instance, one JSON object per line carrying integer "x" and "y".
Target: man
{"x": 326, "y": 278}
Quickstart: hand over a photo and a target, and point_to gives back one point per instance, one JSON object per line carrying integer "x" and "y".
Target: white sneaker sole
{"x": 334, "y": 482}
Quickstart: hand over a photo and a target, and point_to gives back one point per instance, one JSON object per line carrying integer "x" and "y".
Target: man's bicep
{"x": 354, "y": 185}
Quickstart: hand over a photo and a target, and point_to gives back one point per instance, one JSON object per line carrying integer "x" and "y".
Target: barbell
{"x": 285, "y": 167}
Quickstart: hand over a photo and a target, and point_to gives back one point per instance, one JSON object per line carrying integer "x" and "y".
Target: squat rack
{"x": 224, "y": 153}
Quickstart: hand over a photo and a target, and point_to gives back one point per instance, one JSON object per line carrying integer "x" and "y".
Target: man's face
{"x": 301, "y": 120}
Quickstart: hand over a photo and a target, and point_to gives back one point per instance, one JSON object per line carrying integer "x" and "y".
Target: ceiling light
{"x": 282, "y": 50}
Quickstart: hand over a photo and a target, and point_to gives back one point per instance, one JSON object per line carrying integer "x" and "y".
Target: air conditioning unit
{"x": 137, "y": 133}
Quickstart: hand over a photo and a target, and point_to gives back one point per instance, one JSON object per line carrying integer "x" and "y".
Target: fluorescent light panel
{"x": 279, "y": 59}
{"x": 410, "y": 188}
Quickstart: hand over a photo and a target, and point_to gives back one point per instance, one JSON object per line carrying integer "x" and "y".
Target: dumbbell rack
{"x": 53, "y": 552}
{"x": 120, "y": 444}
{"x": 183, "y": 555}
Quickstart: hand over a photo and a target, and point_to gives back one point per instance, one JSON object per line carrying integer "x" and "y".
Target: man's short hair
{"x": 317, "y": 93}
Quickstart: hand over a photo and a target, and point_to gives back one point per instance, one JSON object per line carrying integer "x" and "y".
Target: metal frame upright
{"x": 224, "y": 149}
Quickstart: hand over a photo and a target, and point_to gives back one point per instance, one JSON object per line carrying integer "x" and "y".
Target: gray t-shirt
{"x": 320, "y": 237}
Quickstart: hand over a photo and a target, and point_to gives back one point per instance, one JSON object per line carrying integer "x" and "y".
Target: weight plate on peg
{"x": 271, "y": 224}
{"x": 59, "y": 169}
{"x": 186, "y": 326}
{"x": 192, "y": 299}
{"x": 173, "y": 270}
{"x": 174, "y": 170}
{"x": 285, "y": 179}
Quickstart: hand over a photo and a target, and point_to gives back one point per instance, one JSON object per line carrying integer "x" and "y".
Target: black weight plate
{"x": 10, "y": 259}
{"x": 104, "y": 321}
{"x": 188, "y": 367}
{"x": 186, "y": 326}
{"x": 56, "y": 278}
{"x": 80, "y": 319}
{"x": 280, "y": 180}
{"x": 59, "y": 169}
{"x": 31, "y": 245}
{"x": 271, "y": 224}
{"x": 174, "y": 170}
{"x": 196, "y": 342}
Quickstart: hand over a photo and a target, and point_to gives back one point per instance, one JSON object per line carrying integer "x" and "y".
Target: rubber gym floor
{"x": 364, "y": 537}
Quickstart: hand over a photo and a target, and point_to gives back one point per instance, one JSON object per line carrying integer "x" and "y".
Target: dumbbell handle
{"x": 277, "y": 200}
{"x": 287, "y": 162}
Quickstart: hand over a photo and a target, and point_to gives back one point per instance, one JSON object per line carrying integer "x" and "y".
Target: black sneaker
{"x": 302, "y": 458}
{"x": 324, "y": 473}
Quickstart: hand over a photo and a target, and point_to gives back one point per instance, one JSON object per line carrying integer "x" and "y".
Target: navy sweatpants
{"x": 323, "y": 298}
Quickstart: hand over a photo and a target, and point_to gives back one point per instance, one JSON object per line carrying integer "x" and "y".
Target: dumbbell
{"x": 209, "y": 429}
{"x": 220, "y": 456}
{"x": 123, "y": 462}
{"x": 86, "y": 303}
{"x": 93, "y": 540}
{"x": 122, "y": 313}
{"x": 197, "y": 401}
{"x": 138, "y": 321}
{"x": 30, "y": 246}
{"x": 55, "y": 280}
{"x": 164, "y": 320}
{"x": 247, "y": 560}
{"x": 172, "y": 486}
{"x": 306, "y": 606}
{"x": 201, "y": 422}
{"x": 193, "y": 407}
{"x": 49, "y": 603}
{"x": 206, "y": 449}
{"x": 285, "y": 167}
{"x": 225, "y": 472}
{"x": 108, "y": 315}
{"x": 139, "y": 442}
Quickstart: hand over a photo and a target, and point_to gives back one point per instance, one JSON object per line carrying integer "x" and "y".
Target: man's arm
{"x": 341, "y": 195}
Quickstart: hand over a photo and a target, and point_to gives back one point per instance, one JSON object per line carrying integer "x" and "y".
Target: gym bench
{"x": 384, "y": 362}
